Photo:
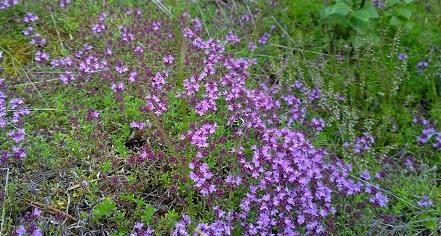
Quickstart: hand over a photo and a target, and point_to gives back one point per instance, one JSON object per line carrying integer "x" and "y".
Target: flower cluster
{"x": 12, "y": 112}
{"x": 318, "y": 124}
{"x": 232, "y": 38}
{"x": 429, "y": 133}
{"x": 30, "y": 223}
{"x": 264, "y": 38}
{"x": 402, "y": 56}
{"x": 140, "y": 230}
{"x": 30, "y": 17}
{"x": 223, "y": 226}
{"x": 64, "y": 3}
{"x": 294, "y": 185}
{"x": 422, "y": 66}
{"x": 8, "y": 3}
{"x": 199, "y": 137}
{"x": 363, "y": 143}
{"x": 41, "y": 56}
{"x": 200, "y": 174}
{"x": 100, "y": 26}
{"x": 181, "y": 227}
{"x": 378, "y": 4}
{"x": 425, "y": 202}
{"x": 36, "y": 38}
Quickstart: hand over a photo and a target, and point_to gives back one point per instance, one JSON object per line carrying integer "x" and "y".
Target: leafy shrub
{"x": 363, "y": 16}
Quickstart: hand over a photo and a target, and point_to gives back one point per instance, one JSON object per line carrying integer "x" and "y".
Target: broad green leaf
{"x": 361, "y": 15}
{"x": 366, "y": 13}
{"x": 340, "y": 9}
{"x": 392, "y": 2}
{"x": 408, "y": 25}
{"x": 326, "y": 11}
{"x": 359, "y": 25}
{"x": 395, "y": 21}
{"x": 408, "y": 1}
{"x": 405, "y": 12}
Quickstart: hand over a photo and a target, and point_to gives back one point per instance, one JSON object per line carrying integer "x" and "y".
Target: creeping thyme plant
{"x": 154, "y": 126}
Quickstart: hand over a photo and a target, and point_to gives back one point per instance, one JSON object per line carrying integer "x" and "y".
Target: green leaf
{"x": 340, "y": 9}
{"x": 104, "y": 208}
{"x": 408, "y": 25}
{"x": 395, "y": 21}
{"x": 405, "y": 12}
{"x": 409, "y": 1}
{"x": 148, "y": 213}
{"x": 326, "y": 11}
{"x": 106, "y": 166}
{"x": 390, "y": 3}
{"x": 366, "y": 13}
{"x": 358, "y": 25}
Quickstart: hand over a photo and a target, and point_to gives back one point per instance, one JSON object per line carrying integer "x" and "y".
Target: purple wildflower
{"x": 38, "y": 40}
{"x": 8, "y": 3}
{"x": 66, "y": 77}
{"x": 426, "y": 135}
{"x": 21, "y": 230}
{"x": 17, "y": 135}
{"x": 92, "y": 115}
{"x": 15, "y": 103}
{"x": 365, "y": 175}
{"x": 234, "y": 181}
{"x": 37, "y": 232}
{"x": 191, "y": 86}
{"x": 19, "y": 152}
{"x": 340, "y": 57}
{"x": 437, "y": 143}
{"x": 318, "y": 124}
{"x": 159, "y": 80}
{"x": 137, "y": 124}
{"x": 246, "y": 17}
{"x": 41, "y": 56}
{"x": 197, "y": 24}
{"x": 378, "y": 3}
{"x": 379, "y": 199}
{"x": 315, "y": 94}
{"x": 232, "y": 38}
{"x": 425, "y": 202}
{"x": 363, "y": 143}
{"x": 402, "y": 56}
{"x": 181, "y": 227}
{"x": 30, "y": 17}
{"x": 64, "y": 3}
{"x": 121, "y": 69}
{"x": 252, "y": 46}
{"x": 118, "y": 87}
{"x": 28, "y": 31}
{"x": 132, "y": 76}
{"x": 138, "y": 225}
{"x": 264, "y": 38}
{"x": 168, "y": 60}
{"x": 36, "y": 212}
{"x": 98, "y": 28}
{"x": 199, "y": 137}
{"x": 422, "y": 66}
{"x": 156, "y": 25}
{"x": 156, "y": 104}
